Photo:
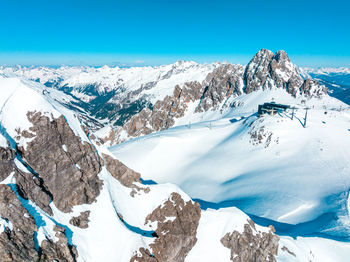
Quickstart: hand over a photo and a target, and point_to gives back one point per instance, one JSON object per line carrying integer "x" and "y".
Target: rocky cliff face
{"x": 66, "y": 167}
{"x": 223, "y": 83}
{"x": 18, "y": 240}
{"x": 265, "y": 71}
{"x": 251, "y": 245}
{"x": 177, "y": 222}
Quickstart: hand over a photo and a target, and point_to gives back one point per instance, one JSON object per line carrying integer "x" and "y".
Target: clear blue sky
{"x": 50, "y": 32}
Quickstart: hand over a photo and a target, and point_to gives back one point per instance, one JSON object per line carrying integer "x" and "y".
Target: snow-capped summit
{"x": 197, "y": 100}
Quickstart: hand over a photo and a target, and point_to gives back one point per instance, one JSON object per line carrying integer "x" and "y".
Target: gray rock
{"x": 16, "y": 244}
{"x": 222, "y": 83}
{"x": 174, "y": 238}
{"x": 126, "y": 176}
{"x": 82, "y": 220}
{"x": 70, "y": 176}
{"x": 251, "y": 245}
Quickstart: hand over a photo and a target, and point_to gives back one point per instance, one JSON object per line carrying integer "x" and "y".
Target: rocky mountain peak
{"x": 268, "y": 70}
{"x": 281, "y": 55}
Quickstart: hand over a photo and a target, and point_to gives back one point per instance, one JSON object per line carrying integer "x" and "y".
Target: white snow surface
{"x": 213, "y": 226}
{"x": 16, "y": 99}
{"x": 301, "y": 174}
{"x": 3, "y": 141}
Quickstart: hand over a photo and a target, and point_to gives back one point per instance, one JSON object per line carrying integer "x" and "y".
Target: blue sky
{"x": 50, "y": 32}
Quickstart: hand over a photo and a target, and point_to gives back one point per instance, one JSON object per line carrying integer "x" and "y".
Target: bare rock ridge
{"x": 265, "y": 71}
{"x": 251, "y": 245}
{"x": 18, "y": 243}
{"x": 176, "y": 232}
{"x": 69, "y": 175}
{"x": 126, "y": 176}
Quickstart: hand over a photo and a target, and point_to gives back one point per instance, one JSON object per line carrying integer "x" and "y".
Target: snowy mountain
{"x": 198, "y": 168}
{"x": 216, "y": 94}
{"x": 112, "y": 94}
{"x": 337, "y": 80}
{"x": 117, "y": 100}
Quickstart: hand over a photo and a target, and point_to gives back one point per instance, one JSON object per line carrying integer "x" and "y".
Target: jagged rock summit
{"x": 266, "y": 71}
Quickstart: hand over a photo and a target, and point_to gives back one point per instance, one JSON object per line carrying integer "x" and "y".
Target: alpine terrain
{"x": 174, "y": 163}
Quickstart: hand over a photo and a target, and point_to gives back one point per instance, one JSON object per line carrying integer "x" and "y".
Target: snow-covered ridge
{"x": 327, "y": 70}
{"x": 112, "y": 78}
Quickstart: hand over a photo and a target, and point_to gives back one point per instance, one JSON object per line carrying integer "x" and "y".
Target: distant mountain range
{"x": 337, "y": 80}
{"x": 114, "y": 100}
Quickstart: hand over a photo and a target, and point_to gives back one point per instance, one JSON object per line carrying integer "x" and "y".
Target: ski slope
{"x": 295, "y": 178}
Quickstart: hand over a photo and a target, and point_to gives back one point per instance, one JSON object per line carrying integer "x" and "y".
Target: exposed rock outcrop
{"x": 67, "y": 166}
{"x": 126, "y": 176}
{"x": 18, "y": 242}
{"x": 60, "y": 250}
{"x": 164, "y": 112}
{"x": 176, "y": 232}
{"x": 6, "y": 162}
{"x": 267, "y": 70}
{"x": 82, "y": 220}
{"x": 222, "y": 83}
{"x": 251, "y": 245}
{"x": 29, "y": 186}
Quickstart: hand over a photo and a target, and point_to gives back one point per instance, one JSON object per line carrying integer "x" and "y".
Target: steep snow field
{"x": 293, "y": 177}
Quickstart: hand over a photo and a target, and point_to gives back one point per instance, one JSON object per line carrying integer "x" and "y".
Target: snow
{"x": 3, "y": 141}
{"x": 312, "y": 249}
{"x": 16, "y": 99}
{"x": 4, "y": 223}
{"x": 20, "y": 166}
{"x": 116, "y": 78}
{"x": 299, "y": 177}
{"x": 213, "y": 226}
{"x": 9, "y": 179}
{"x": 105, "y": 238}
{"x": 327, "y": 70}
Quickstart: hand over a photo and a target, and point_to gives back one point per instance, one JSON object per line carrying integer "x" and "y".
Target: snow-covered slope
{"x": 271, "y": 167}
